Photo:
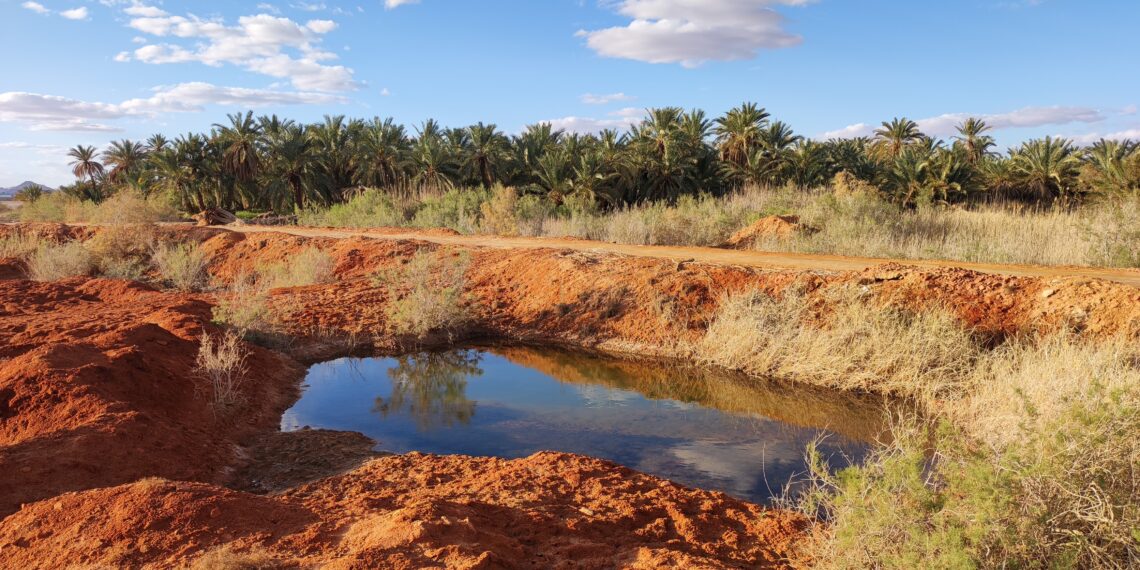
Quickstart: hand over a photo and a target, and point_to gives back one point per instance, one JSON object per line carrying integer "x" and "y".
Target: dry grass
{"x": 19, "y": 244}
{"x": 51, "y": 262}
{"x": 221, "y": 363}
{"x": 1035, "y": 462}
{"x": 858, "y": 346}
{"x": 228, "y": 557}
{"x": 181, "y": 265}
{"x": 859, "y": 224}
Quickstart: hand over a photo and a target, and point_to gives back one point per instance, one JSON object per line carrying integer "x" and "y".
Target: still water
{"x": 702, "y": 428}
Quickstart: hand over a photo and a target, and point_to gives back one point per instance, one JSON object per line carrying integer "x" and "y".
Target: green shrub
{"x": 1059, "y": 495}
{"x": 457, "y": 209}
{"x": 123, "y": 251}
{"x": 371, "y": 208}
{"x": 426, "y": 295}
{"x": 181, "y": 265}
{"x": 51, "y": 262}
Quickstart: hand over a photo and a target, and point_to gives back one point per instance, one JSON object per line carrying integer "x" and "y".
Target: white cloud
{"x": 36, "y": 7}
{"x": 619, "y": 120}
{"x": 390, "y": 4}
{"x": 591, "y": 99}
{"x": 265, "y": 44}
{"x": 849, "y": 132}
{"x": 53, "y": 113}
{"x": 385, "y": 92}
{"x": 75, "y": 13}
{"x": 321, "y": 26}
{"x": 1089, "y": 138}
{"x": 144, "y": 11}
{"x": 945, "y": 125}
{"x": 691, "y": 32}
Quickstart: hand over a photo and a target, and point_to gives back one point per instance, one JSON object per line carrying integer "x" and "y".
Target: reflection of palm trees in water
{"x": 432, "y": 387}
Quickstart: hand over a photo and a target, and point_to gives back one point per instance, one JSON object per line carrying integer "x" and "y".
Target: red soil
{"x": 777, "y": 227}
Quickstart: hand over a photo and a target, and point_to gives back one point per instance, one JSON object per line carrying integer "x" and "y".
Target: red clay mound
{"x": 97, "y": 388}
{"x": 549, "y": 510}
{"x": 771, "y": 227}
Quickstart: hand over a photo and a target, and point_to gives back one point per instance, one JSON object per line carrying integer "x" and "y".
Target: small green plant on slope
{"x": 310, "y": 267}
{"x": 221, "y": 363}
{"x": 427, "y": 294}
{"x": 245, "y": 306}
{"x": 181, "y": 265}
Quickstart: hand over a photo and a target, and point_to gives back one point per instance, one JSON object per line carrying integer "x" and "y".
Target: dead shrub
{"x": 221, "y": 363}
{"x": 19, "y": 244}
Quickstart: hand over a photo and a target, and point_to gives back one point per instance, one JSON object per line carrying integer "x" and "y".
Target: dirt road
{"x": 760, "y": 259}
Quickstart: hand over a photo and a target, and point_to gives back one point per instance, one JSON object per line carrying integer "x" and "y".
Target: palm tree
{"x": 974, "y": 141}
{"x": 893, "y": 137}
{"x": 1109, "y": 160}
{"x": 487, "y": 150}
{"x": 289, "y": 162}
{"x": 382, "y": 153}
{"x": 156, "y": 143}
{"x": 240, "y": 156}
{"x": 84, "y": 165}
{"x": 434, "y": 168}
{"x": 335, "y": 153}
{"x": 125, "y": 157}
{"x": 1046, "y": 168}
{"x": 807, "y": 164}
{"x": 738, "y": 132}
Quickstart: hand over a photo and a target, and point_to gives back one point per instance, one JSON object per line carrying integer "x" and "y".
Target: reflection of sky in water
{"x": 440, "y": 403}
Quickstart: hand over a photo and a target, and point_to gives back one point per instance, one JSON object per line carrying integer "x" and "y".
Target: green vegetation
{"x": 426, "y": 295}
{"x": 1032, "y": 461}
{"x": 269, "y": 163}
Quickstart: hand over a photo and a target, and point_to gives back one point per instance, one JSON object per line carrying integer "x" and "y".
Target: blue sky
{"x": 91, "y": 71}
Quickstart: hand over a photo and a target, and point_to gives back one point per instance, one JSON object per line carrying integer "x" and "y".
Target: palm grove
{"x": 269, "y": 163}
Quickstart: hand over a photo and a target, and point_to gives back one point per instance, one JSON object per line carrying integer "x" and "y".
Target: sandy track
{"x": 760, "y": 259}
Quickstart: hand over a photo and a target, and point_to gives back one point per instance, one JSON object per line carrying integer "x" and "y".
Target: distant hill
{"x": 9, "y": 192}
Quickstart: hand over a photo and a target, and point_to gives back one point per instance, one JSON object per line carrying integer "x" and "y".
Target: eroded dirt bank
{"x": 97, "y": 392}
